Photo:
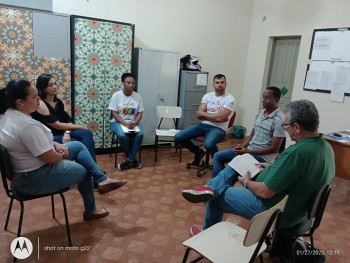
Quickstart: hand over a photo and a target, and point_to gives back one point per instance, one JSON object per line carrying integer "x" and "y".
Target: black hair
{"x": 219, "y": 76}
{"x": 42, "y": 83}
{"x": 304, "y": 113}
{"x": 3, "y": 102}
{"x": 127, "y": 75}
{"x": 275, "y": 91}
{"x": 16, "y": 89}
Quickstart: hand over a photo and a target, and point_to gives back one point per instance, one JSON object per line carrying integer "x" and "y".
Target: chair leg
{"x": 20, "y": 219}
{"x": 111, "y": 148}
{"x": 53, "y": 206}
{"x": 202, "y": 171}
{"x": 205, "y": 165}
{"x": 156, "y": 148}
{"x": 116, "y": 151}
{"x": 66, "y": 218}
{"x": 197, "y": 259}
{"x": 8, "y": 214}
{"x": 312, "y": 242}
{"x": 184, "y": 260}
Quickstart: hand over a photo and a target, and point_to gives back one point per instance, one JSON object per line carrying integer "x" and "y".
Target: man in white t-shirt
{"x": 127, "y": 108}
{"x": 214, "y": 112}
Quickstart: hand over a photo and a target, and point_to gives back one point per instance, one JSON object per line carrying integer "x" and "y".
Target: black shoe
{"x": 198, "y": 157}
{"x": 125, "y": 165}
{"x": 136, "y": 164}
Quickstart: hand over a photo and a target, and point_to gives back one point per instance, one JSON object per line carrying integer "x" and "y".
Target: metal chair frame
{"x": 7, "y": 176}
{"x": 167, "y": 112}
{"x": 205, "y": 164}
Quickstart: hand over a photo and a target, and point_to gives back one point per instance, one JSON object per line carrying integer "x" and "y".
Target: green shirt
{"x": 299, "y": 171}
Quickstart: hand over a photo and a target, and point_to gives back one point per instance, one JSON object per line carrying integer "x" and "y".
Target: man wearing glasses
{"x": 299, "y": 172}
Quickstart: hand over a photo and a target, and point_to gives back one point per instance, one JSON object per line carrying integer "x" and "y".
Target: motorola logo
{"x": 21, "y": 247}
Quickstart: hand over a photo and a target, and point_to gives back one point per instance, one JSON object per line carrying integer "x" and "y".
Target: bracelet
{"x": 68, "y": 132}
{"x": 245, "y": 183}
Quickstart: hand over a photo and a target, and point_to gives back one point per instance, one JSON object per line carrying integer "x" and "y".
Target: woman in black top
{"x": 52, "y": 114}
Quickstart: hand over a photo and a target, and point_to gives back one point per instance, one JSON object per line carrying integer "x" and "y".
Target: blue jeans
{"x": 130, "y": 143}
{"x": 77, "y": 168}
{"x": 83, "y": 136}
{"x": 225, "y": 156}
{"x": 213, "y": 135}
{"x": 229, "y": 199}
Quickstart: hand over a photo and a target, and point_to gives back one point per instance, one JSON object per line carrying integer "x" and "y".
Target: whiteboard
{"x": 329, "y": 61}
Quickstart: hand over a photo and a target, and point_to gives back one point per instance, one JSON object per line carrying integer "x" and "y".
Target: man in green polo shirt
{"x": 300, "y": 171}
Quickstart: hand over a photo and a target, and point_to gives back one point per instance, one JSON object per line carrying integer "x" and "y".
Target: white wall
{"x": 286, "y": 18}
{"x": 217, "y": 32}
{"x": 230, "y": 37}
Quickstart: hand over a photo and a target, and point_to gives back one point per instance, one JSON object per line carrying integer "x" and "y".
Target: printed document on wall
{"x": 202, "y": 80}
{"x": 341, "y": 84}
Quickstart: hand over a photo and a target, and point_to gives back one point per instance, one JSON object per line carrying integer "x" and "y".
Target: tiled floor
{"x": 148, "y": 218}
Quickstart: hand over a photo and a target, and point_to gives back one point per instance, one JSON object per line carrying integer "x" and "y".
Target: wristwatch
{"x": 68, "y": 132}
{"x": 245, "y": 183}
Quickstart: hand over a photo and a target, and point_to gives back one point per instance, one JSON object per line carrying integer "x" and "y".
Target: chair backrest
{"x": 230, "y": 124}
{"x": 232, "y": 120}
{"x": 318, "y": 206}
{"x": 264, "y": 223}
{"x": 283, "y": 145}
{"x": 6, "y": 169}
{"x": 169, "y": 112}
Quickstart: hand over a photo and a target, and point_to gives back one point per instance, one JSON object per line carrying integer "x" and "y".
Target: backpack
{"x": 238, "y": 132}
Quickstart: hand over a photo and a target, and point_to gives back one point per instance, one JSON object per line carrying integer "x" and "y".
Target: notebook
{"x": 244, "y": 163}
{"x": 127, "y": 130}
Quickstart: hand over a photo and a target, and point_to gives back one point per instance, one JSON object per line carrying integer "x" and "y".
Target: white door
{"x": 282, "y": 68}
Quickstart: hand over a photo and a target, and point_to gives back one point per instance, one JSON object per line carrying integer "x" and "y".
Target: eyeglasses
{"x": 284, "y": 125}
{"x": 53, "y": 84}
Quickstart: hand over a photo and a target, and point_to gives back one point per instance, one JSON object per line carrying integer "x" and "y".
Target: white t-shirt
{"x": 25, "y": 139}
{"x": 126, "y": 106}
{"x": 214, "y": 105}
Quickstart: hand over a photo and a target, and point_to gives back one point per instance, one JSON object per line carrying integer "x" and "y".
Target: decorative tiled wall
{"x": 17, "y": 58}
{"x": 16, "y": 40}
{"x": 102, "y": 53}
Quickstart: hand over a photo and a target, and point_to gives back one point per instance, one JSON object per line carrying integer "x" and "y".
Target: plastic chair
{"x": 166, "y": 135}
{"x": 205, "y": 165}
{"x": 286, "y": 238}
{"x": 244, "y": 246}
{"x": 7, "y": 175}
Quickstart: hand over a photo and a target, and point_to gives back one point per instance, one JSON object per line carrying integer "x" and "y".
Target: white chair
{"x": 166, "y": 135}
{"x": 215, "y": 244}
